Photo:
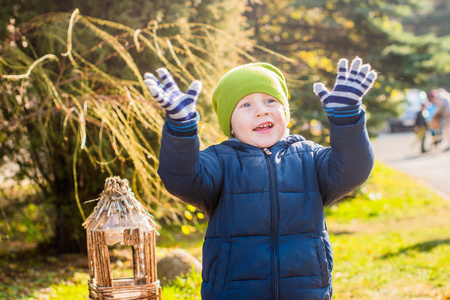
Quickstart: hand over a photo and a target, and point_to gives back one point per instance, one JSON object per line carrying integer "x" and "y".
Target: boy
{"x": 263, "y": 190}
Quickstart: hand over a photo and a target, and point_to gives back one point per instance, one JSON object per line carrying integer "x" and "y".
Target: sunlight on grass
{"x": 389, "y": 265}
{"x": 388, "y": 194}
{"x": 72, "y": 289}
{"x": 186, "y": 287}
{"x": 391, "y": 241}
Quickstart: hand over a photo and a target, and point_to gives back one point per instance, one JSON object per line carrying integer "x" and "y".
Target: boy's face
{"x": 258, "y": 120}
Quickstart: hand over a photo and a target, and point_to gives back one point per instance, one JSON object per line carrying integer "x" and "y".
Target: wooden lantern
{"x": 120, "y": 218}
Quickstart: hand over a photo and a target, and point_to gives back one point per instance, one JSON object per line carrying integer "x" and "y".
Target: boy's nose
{"x": 262, "y": 112}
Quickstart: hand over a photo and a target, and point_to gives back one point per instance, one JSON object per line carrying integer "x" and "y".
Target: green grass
{"x": 185, "y": 287}
{"x": 391, "y": 240}
{"x": 396, "y": 264}
{"x": 387, "y": 195}
{"x": 71, "y": 289}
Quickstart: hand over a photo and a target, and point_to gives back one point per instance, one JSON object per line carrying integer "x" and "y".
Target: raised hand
{"x": 178, "y": 106}
{"x": 350, "y": 86}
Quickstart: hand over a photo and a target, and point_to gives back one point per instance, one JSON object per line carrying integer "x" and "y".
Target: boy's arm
{"x": 193, "y": 177}
{"x": 347, "y": 164}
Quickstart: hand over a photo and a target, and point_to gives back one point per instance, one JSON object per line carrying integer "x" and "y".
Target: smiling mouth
{"x": 264, "y": 126}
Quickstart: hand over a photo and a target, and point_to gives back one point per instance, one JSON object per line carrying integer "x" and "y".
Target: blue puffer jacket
{"x": 266, "y": 237}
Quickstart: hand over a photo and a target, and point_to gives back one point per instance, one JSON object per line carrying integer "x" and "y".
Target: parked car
{"x": 414, "y": 98}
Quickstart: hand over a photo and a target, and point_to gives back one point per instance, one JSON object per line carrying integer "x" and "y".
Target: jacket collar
{"x": 282, "y": 144}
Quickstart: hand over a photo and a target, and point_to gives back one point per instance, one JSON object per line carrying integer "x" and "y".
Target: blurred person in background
{"x": 440, "y": 122}
{"x": 420, "y": 127}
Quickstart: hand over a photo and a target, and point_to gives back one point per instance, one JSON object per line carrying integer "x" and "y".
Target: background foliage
{"x": 81, "y": 112}
{"x": 74, "y": 109}
{"x": 315, "y": 34}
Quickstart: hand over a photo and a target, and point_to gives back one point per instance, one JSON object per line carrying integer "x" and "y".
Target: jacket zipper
{"x": 274, "y": 224}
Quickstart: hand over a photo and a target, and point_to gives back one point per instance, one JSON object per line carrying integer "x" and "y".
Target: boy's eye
{"x": 271, "y": 100}
{"x": 246, "y": 105}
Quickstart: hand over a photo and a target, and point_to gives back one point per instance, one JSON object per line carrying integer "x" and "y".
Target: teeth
{"x": 265, "y": 125}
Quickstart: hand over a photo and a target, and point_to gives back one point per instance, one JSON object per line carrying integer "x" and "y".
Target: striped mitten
{"x": 178, "y": 106}
{"x": 345, "y": 98}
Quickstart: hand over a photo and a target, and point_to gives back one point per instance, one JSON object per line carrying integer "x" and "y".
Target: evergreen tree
{"x": 429, "y": 20}
{"x": 315, "y": 34}
{"x": 431, "y": 17}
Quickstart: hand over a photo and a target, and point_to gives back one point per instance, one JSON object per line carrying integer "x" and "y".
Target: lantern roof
{"x": 118, "y": 209}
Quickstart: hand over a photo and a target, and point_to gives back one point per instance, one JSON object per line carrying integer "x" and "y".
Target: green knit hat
{"x": 243, "y": 80}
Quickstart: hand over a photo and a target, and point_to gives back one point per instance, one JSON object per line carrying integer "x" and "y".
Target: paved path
{"x": 401, "y": 151}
